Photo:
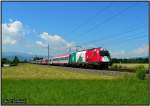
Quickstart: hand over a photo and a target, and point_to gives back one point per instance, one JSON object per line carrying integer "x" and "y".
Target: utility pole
{"x": 48, "y": 51}
{"x": 76, "y": 48}
{"x": 69, "y": 49}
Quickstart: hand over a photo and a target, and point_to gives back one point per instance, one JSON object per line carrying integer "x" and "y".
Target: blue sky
{"x": 121, "y": 27}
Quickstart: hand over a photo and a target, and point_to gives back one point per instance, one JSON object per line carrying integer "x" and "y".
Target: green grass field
{"x": 46, "y": 85}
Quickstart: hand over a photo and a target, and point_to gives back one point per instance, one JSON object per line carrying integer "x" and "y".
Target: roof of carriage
{"x": 62, "y": 55}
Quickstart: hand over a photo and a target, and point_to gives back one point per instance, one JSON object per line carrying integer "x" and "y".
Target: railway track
{"x": 98, "y": 71}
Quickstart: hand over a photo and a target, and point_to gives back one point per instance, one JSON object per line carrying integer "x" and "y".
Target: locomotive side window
{"x": 104, "y": 53}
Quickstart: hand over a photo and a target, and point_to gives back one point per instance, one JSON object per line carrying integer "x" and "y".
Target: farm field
{"x": 130, "y": 66}
{"x": 40, "y": 84}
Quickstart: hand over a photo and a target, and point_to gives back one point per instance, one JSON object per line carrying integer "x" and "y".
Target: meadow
{"x": 129, "y": 66}
{"x": 40, "y": 84}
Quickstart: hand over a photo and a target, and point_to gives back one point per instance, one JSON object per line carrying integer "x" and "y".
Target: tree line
{"x": 13, "y": 62}
{"x": 131, "y": 60}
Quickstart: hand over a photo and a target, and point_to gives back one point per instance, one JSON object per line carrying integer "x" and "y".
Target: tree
{"x": 25, "y": 61}
{"x": 131, "y": 60}
{"x": 15, "y": 61}
{"x": 37, "y": 58}
{"x": 5, "y": 61}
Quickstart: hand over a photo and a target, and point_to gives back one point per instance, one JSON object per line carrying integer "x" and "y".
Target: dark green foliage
{"x": 25, "y": 61}
{"x": 116, "y": 67}
{"x": 15, "y": 61}
{"x": 37, "y": 58}
{"x": 5, "y": 61}
{"x": 140, "y": 72}
{"x": 130, "y": 60}
{"x": 119, "y": 67}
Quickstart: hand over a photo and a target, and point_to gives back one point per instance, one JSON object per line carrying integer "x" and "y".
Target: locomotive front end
{"x": 105, "y": 59}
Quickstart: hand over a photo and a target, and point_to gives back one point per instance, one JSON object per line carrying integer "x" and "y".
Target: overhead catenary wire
{"x": 107, "y": 20}
{"x": 117, "y": 37}
{"x": 123, "y": 43}
{"x": 114, "y": 35}
{"x": 110, "y": 18}
{"x": 125, "y": 39}
{"x": 91, "y": 18}
{"x": 129, "y": 40}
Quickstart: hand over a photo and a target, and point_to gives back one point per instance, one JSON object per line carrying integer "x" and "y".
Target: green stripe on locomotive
{"x": 80, "y": 57}
{"x": 72, "y": 58}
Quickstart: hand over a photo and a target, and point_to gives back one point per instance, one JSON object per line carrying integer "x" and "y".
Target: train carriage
{"x": 61, "y": 59}
{"x": 44, "y": 62}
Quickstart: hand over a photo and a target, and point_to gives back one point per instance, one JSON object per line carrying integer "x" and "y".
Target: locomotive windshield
{"x": 104, "y": 53}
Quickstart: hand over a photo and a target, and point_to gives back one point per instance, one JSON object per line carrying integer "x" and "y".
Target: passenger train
{"x": 97, "y": 57}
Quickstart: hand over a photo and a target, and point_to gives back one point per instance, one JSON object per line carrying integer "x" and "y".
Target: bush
{"x": 13, "y": 64}
{"x": 116, "y": 67}
{"x": 119, "y": 66}
{"x": 5, "y": 61}
{"x": 125, "y": 67}
{"x": 140, "y": 72}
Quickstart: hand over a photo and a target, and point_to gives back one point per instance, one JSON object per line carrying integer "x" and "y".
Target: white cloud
{"x": 52, "y": 38}
{"x": 41, "y": 44}
{"x": 142, "y": 50}
{"x": 12, "y": 28}
{"x": 138, "y": 52}
{"x": 11, "y": 32}
{"x": 56, "y": 41}
{"x": 30, "y": 53}
{"x": 10, "y": 20}
{"x": 9, "y": 41}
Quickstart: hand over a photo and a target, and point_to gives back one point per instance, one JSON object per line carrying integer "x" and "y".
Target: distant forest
{"x": 131, "y": 60}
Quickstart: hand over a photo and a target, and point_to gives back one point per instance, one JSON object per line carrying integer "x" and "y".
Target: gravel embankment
{"x": 98, "y": 71}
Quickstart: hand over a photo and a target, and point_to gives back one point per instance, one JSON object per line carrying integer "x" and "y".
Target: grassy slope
{"x": 32, "y": 71}
{"x": 57, "y": 86}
